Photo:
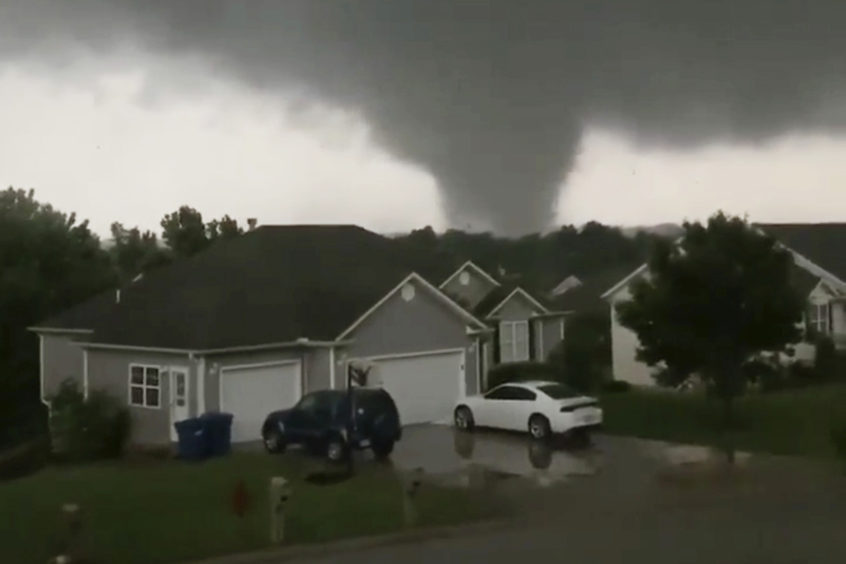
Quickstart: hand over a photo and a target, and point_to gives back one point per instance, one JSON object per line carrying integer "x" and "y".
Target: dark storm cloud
{"x": 492, "y": 97}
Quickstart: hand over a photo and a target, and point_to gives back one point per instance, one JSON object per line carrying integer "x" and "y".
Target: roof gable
{"x": 823, "y": 245}
{"x": 470, "y": 266}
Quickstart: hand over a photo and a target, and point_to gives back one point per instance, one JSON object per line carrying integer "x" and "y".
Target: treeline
{"x": 49, "y": 261}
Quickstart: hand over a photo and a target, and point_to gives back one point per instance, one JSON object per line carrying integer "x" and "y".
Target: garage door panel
{"x": 425, "y": 387}
{"x": 250, "y": 393}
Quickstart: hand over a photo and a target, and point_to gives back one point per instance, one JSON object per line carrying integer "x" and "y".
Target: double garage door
{"x": 425, "y": 387}
{"x": 249, "y": 393}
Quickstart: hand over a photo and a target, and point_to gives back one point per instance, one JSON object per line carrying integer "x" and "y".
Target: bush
{"x": 615, "y": 386}
{"x": 517, "y": 371}
{"x": 91, "y": 429}
{"x": 825, "y": 358}
{"x": 583, "y": 359}
{"x": 838, "y": 437}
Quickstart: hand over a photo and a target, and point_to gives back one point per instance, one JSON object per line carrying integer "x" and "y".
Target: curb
{"x": 280, "y": 554}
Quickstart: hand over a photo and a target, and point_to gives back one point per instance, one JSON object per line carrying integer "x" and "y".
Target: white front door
{"x": 178, "y": 397}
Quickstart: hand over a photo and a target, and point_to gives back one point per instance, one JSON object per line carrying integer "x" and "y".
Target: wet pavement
{"x": 627, "y": 500}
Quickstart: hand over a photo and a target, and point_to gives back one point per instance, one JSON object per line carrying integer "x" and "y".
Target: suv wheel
{"x": 383, "y": 449}
{"x": 273, "y": 441}
{"x": 539, "y": 427}
{"x": 336, "y": 449}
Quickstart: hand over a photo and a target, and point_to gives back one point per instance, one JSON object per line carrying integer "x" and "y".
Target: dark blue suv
{"x": 333, "y": 422}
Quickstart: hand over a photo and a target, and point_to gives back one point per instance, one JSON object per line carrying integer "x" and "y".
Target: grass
{"x": 171, "y": 511}
{"x": 791, "y": 422}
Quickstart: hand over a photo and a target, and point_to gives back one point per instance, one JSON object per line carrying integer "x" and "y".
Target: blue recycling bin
{"x": 218, "y": 427}
{"x": 193, "y": 439}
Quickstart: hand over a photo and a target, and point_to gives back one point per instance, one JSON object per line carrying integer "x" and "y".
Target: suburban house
{"x": 820, "y": 274}
{"x": 525, "y": 327}
{"x": 582, "y": 294}
{"x": 251, "y": 324}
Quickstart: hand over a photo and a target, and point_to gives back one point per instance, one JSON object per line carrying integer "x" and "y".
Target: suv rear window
{"x": 374, "y": 399}
{"x": 559, "y": 391}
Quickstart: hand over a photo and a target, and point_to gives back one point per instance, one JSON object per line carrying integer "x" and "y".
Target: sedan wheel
{"x": 464, "y": 418}
{"x": 539, "y": 427}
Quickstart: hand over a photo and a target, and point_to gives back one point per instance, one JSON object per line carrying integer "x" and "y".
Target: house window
{"x": 145, "y": 388}
{"x": 818, "y": 318}
{"x": 513, "y": 341}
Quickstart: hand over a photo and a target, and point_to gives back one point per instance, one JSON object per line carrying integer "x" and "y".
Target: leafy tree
{"x": 184, "y": 231}
{"x": 709, "y": 304}
{"x": 135, "y": 252}
{"x": 48, "y": 262}
{"x": 186, "y": 234}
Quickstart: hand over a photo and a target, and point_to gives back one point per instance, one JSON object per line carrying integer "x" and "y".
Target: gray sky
{"x": 399, "y": 114}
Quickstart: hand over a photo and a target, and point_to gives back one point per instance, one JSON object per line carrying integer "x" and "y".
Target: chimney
{"x": 251, "y": 222}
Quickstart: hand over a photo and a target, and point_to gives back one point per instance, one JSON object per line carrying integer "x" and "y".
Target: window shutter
{"x": 532, "y": 348}
{"x": 496, "y": 355}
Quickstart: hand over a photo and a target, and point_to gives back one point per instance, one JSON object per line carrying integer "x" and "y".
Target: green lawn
{"x": 795, "y": 422}
{"x": 170, "y": 511}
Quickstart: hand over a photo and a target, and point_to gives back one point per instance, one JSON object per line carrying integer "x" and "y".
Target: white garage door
{"x": 249, "y": 393}
{"x": 424, "y": 387}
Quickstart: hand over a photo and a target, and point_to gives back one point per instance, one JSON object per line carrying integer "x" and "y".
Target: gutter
{"x": 59, "y": 330}
{"x": 299, "y": 343}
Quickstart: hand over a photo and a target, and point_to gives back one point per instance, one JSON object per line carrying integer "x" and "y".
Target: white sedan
{"x": 542, "y": 408}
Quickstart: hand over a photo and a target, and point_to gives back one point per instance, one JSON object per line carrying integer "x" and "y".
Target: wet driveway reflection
{"x": 446, "y": 452}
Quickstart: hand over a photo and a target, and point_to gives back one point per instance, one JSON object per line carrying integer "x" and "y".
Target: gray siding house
{"x": 820, "y": 274}
{"x": 525, "y": 327}
{"x": 251, "y": 324}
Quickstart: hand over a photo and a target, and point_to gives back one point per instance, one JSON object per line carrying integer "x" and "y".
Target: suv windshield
{"x": 558, "y": 391}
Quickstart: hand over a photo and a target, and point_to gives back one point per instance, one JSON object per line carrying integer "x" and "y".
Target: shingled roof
{"x": 274, "y": 284}
{"x": 822, "y": 243}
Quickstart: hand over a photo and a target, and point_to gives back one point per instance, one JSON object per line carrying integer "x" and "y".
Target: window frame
{"x": 510, "y": 328}
{"x": 819, "y": 317}
{"x": 144, "y": 386}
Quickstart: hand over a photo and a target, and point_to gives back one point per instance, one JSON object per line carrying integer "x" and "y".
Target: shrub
{"x": 582, "y": 360}
{"x": 88, "y": 429}
{"x": 838, "y": 437}
{"x": 615, "y": 386}
{"x": 825, "y": 358}
{"x": 517, "y": 371}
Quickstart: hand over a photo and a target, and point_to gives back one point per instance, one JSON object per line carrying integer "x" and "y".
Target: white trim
{"x": 462, "y": 373}
{"x": 331, "y": 368}
{"x": 470, "y": 264}
{"x": 144, "y": 386}
{"x": 613, "y": 289}
{"x": 59, "y": 330}
{"x": 514, "y": 324}
{"x": 41, "y": 369}
{"x": 406, "y": 355}
{"x": 539, "y": 339}
{"x": 223, "y": 369}
{"x": 423, "y": 282}
{"x": 201, "y": 386}
{"x": 525, "y": 294}
{"x": 172, "y": 395}
{"x": 106, "y": 346}
{"x": 479, "y": 353}
{"x": 85, "y": 373}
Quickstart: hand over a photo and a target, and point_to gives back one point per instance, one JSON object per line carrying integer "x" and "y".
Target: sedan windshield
{"x": 558, "y": 391}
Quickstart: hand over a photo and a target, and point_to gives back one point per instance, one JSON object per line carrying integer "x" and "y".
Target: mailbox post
{"x": 280, "y": 493}
{"x": 411, "y": 485}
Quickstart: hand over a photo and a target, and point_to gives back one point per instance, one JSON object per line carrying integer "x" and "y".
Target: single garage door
{"x": 249, "y": 393}
{"x": 425, "y": 387}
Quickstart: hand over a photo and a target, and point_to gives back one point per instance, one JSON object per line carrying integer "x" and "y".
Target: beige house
{"x": 819, "y": 252}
